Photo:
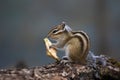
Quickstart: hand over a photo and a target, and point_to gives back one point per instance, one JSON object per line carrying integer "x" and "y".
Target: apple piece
{"x": 51, "y": 52}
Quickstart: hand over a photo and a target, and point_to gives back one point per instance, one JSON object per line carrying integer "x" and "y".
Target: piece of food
{"x": 51, "y": 51}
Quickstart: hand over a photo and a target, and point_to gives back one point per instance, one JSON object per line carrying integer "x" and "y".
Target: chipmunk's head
{"x": 59, "y": 31}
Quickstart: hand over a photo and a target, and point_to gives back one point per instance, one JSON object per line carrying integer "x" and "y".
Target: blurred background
{"x": 25, "y": 23}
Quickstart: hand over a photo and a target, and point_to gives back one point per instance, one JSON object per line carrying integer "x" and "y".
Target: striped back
{"x": 85, "y": 41}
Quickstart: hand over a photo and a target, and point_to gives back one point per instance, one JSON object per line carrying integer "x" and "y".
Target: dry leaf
{"x": 51, "y": 51}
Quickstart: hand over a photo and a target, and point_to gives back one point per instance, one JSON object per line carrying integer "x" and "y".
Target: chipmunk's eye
{"x": 55, "y": 31}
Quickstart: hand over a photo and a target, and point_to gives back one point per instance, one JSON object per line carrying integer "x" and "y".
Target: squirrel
{"x": 76, "y": 44}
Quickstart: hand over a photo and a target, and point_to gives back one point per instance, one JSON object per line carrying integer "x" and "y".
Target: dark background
{"x": 25, "y": 23}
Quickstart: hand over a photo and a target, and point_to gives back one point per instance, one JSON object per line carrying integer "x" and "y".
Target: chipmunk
{"x": 76, "y": 44}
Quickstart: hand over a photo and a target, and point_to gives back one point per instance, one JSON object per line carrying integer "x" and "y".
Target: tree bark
{"x": 70, "y": 71}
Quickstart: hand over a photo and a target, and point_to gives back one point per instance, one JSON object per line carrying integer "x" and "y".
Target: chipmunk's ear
{"x": 63, "y": 23}
{"x": 65, "y": 27}
{"x": 62, "y": 26}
